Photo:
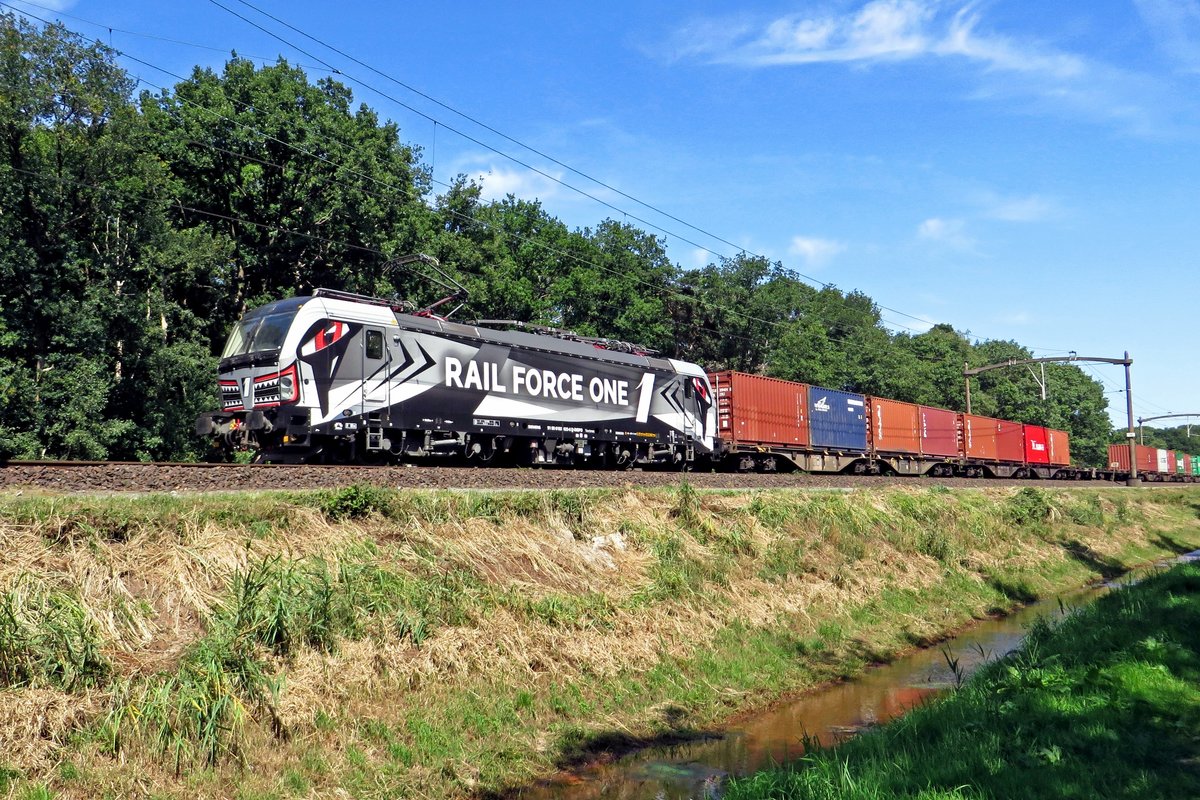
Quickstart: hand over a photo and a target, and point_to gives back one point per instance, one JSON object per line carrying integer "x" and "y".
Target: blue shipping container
{"x": 837, "y": 420}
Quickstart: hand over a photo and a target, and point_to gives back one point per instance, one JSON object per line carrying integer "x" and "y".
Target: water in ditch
{"x": 698, "y": 769}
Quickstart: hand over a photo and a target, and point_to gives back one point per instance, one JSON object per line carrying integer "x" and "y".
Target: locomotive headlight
{"x": 287, "y": 386}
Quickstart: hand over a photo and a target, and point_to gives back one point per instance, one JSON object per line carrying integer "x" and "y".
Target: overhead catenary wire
{"x": 530, "y": 148}
{"x": 141, "y": 34}
{"x": 334, "y": 70}
{"x": 403, "y": 190}
{"x": 537, "y": 152}
{"x": 472, "y": 220}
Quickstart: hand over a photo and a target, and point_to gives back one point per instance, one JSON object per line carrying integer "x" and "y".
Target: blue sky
{"x": 1021, "y": 170}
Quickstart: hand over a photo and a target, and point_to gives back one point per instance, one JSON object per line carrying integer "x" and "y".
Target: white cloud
{"x": 881, "y": 30}
{"x": 1033, "y": 208}
{"x": 815, "y": 252}
{"x": 1003, "y": 53}
{"x": 699, "y": 258}
{"x": 499, "y": 182}
{"x": 952, "y": 232}
{"x": 1009, "y": 67}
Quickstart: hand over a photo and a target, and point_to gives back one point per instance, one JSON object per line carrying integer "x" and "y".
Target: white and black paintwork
{"x": 347, "y": 378}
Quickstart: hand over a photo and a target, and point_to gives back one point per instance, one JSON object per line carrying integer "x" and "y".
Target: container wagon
{"x": 766, "y": 424}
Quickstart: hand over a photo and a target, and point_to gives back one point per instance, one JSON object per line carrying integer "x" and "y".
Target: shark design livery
{"x": 348, "y": 378}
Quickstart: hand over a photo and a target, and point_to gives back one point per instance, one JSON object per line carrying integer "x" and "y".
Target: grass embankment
{"x": 443, "y": 644}
{"x": 1106, "y": 704}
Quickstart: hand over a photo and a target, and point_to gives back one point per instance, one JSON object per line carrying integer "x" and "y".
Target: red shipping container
{"x": 752, "y": 409}
{"x": 1187, "y": 464}
{"x": 939, "y": 432}
{"x": 1010, "y": 441}
{"x": 1172, "y": 465}
{"x": 1118, "y": 458}
{"x": 1037, "y": 445}
{"x": 979, "y": 437}
{"x": 1060, "y": 447}
{"x": 894, "y": 426}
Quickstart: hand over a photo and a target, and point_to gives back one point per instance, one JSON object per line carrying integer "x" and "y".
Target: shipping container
{"x": 895, "y": 427}
{"x": 979, "y": 437}
{"x": 1060, "y": 447}
{"x": 939, "y": 432}
{"x": 1184, "y": 464}
{"x": 1196, "y": 466}
{"x": 1010, "y": 441}
{"x": 752, "y": 409}
{"x": 989, "y": 439}
{"x": 1169, "y": 469}
{"x": 1037, "y": 444}
{"x": 837, "y": 420}
{"x": 1118, "y": 458}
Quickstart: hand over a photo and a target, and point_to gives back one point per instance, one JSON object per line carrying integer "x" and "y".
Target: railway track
{"x": 135, "y": 476}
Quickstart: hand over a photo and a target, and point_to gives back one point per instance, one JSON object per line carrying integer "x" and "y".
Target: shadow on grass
{"x": 1172, "y": 544}
{"x": 580, "y": 749}
{"x": 1107, "y": 568}
{"x": 1016, "y": 590}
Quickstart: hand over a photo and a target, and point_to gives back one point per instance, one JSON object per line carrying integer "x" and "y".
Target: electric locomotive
{"x": 340, "y": 377}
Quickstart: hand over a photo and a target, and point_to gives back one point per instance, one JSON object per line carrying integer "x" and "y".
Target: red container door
{"x": 1060, "y": 448}
{"x": 895, "y": 426}
{"x": 1118, "y": 457}
{"x": 939, "y": 432}
{"x": 1037, "y": 445}
{"x": 1010, "y": 441}
{"x": 979, "y": 437}
{"x": 1171, "y": 463}
{"x": 1147, "y": 459}
{"x": 752, "y": 409}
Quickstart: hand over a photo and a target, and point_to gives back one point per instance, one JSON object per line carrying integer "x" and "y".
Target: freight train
{"x": 1155, "y": 464}
{"x": 347, "y": 378}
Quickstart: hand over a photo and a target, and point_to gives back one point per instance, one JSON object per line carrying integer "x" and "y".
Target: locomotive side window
{"x": 374, "y": 344}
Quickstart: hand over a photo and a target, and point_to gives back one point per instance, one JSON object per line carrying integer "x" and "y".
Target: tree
{"x": 306, "y": 192}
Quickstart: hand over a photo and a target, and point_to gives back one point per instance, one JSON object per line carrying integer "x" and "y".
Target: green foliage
{"x": 1087, "y": 511}
{"x": 687, "y": 505}
{"x": 48, "y": 639}
{"x": 1183, "y": 439}
{"x": 125, "y": 217}
{"x": 356, "y": 500}
{"x": 199, "y": 712}
{"x": 1028, "y": 506}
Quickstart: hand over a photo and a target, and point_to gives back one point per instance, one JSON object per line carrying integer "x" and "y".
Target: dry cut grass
{"x": 436, "y": 643}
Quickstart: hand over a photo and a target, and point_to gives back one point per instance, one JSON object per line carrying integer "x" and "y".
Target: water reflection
{"x": 696, "y": 770}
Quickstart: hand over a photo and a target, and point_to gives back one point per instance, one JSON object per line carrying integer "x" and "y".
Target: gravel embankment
{"x": 136, "y": 477}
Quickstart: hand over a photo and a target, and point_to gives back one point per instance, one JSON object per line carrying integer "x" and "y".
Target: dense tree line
{"x": 1183, "y": 438}
{"x": 135, "y": 229}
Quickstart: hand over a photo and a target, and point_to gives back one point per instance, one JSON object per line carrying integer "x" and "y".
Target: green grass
{"x": 1106, "y": 704}
{"x": 499, "y": 642}
{"x": 48, "y": 639}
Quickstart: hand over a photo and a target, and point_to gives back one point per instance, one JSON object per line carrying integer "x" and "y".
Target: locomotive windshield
{"x": 263, "y": 329}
